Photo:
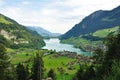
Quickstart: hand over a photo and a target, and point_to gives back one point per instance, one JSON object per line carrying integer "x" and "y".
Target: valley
{"x": 88, "y": 51}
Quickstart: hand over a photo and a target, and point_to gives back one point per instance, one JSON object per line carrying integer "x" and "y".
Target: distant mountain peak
{"x": 43, "y": 32}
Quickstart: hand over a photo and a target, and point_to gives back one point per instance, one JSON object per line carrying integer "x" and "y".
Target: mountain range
{"x": 101, "y": 19}
{"x": 43, "y": 32}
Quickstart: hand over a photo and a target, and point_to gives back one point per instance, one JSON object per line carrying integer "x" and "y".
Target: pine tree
{"x": 90, "y": 73}
{"x": 22, "y": 72}
{"x": 37, "y": 69}
{"x": 4, "y": 62}
{"x": 52, "y": 74}
{"x": 113, "y": 43}
{"x": 112, "y": 54}
{"x": 99, "y": 56}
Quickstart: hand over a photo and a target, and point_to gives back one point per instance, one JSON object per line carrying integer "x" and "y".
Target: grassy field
{"x": 105, "y": 32}
{"x": 60, "y": 62}
{"x": 50, "y": 62}
{"x": 82, "y": 43}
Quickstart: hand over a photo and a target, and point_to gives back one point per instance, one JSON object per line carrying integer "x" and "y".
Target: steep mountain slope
{"x": 44, "y": 32}
{"x": 18, "y": 35}
{"x": 95, "y": 21}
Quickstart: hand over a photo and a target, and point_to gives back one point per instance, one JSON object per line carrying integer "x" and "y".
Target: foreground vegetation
{"x": 50, "y": 59}
{"x": 25, "y": 64}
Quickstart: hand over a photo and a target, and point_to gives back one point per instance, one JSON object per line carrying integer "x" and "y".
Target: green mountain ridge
{"x": 90, "y": 42}
{"x": 101, "y": 19}
{"x": 93, "y": 29}
{"x": 18, "y": 35}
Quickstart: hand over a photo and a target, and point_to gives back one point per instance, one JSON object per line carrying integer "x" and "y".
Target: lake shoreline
{"x": 54, "y": 44}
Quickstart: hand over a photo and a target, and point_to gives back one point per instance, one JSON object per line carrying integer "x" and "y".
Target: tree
{"x": 85, "y": 72}
{"x": 113, "y": 44}
{"x": 38, "y": 68}
{"x": 89, "y": 73}
{"x": 52, "y": 74}
{"x": 99, "y": 56}
{"x": 80, "y": 74}
{"x": 112, "y": 54}
{"x": 6, "y": 69}
{"x": 4, "y": 62}
{"x": 22, "y": 72}
{"x": 10, "y": 73}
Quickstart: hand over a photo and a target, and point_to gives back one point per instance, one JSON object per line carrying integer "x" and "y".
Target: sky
{"x": 57, "y": 16}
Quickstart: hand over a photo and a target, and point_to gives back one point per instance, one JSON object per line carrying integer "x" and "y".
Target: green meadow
{"x": 50, "y": 62}
{"x": 105, "y": 32}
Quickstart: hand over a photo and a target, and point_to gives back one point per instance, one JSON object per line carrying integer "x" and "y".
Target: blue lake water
{"x": 54, "y": 44}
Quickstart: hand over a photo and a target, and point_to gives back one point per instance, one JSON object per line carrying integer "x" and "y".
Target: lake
{"x": 54, "y": 44}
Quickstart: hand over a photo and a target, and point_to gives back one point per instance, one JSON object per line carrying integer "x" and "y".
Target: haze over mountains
{"x": 98, "y": 20}
{"x": 43, "y": 32}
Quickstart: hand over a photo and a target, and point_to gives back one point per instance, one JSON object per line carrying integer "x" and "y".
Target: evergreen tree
{"x": 4, "y": 62}
{"x": 80, "y": 75}
{"x": 52, "y": 74}
{"x": 99, "y": 56}
{"x": 89, "y": 73}
{"x": 22, "y": 72}
{"x": 10, "y": 73}
{"x": 37, "y": 69}
{"x": 113, "y": 44}
{"x": 112, "y": 54}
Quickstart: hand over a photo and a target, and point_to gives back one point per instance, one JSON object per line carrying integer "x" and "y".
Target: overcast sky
{"x": 53, "y": 15}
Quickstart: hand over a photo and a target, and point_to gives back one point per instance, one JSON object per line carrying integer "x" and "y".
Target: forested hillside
{"x": 18, "y": 35}
{"x": 96, "y": 21}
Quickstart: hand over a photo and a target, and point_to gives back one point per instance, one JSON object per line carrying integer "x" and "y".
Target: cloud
{"x": 25, "y": 2}
{"x": 55, "y": 15}
{"x": 2, "y": 2}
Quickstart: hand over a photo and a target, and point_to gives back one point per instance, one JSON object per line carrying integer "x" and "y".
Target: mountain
{"x": 90, "y": 42}
{"x": 98, "y": 20}
{"x": 17, "y": 35}
{"x": 43, "y": 32}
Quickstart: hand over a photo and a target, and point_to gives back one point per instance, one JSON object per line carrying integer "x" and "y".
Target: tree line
{"x": 106, "y": 65}
{"x": 22, "y": 71}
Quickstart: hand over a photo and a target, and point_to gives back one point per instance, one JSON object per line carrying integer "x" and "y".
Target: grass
{"x": 81, "y": 42}
{"x": 50, "y": 62}
{"x": 105, "y": 32}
